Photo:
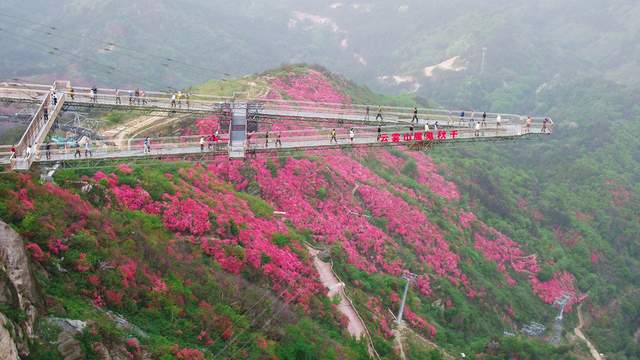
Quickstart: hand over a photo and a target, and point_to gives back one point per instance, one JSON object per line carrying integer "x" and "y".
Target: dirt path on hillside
{"x": 125, "y": 131}
{"x": 328, "y": 279}
{"x": 578, "y": 331}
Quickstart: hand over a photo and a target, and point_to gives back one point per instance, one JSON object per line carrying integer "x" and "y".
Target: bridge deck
{"x": 170, "y": 147}
{"x": 396, "y": 122}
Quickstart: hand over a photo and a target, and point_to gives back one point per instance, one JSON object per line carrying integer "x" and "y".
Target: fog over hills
{"x": 363, "y": 40}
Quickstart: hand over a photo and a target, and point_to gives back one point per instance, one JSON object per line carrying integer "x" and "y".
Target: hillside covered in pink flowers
{"x": 210, "y": 259}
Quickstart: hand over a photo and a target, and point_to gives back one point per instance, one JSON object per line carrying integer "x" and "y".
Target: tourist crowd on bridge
{"x": 433, "y": 131}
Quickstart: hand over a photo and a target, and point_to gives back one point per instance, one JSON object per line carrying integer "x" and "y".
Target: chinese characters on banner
{"x": 419, "y": 136}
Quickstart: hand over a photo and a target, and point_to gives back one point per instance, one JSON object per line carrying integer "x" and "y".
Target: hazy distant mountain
{"x": 369, "y": 41}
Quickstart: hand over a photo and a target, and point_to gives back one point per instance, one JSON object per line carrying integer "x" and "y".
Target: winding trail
{"x": 356, "y": 326}
{"x": 578, "y": 331}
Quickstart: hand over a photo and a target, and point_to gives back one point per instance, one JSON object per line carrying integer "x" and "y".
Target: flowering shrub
{"x": 188, "y": 354}
{"x": 56, "y": 246}
{"x": 560, "y": 284}
{"x": 128, "y": 272}
{"x": 312, "y": 86}
{"x": 185, "y": 215}
{"x": 410, "y": 223}
{"x": 427, "y": 174}
{"x": 125, "y": 169}
{"x": 114, "y": 297}
{"x": 111, "y": 179}
{"x": 132, "y": 199}
{"x": 466, "y": 218}
{"x": 620, "y": 194}
{"x": 157, "y": 284}
{"x": 419, "y": 322}
{"x": 23, "y": 197}
{"x": 504, "y": 251}
{"x": 82, "y": 264}
{"x": 36, "y": 252}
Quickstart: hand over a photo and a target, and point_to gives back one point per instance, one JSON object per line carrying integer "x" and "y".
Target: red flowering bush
{"x": 128, "y": 272}
{"x": 36, "y": 252}
{"x": 23, "y": 197}
{"x": 56, "y": 246}
{"x": 560, "y": 284}
{"x": 419, "y": 322}
{"x": 125, "y": 169}
{"x": 312, "y": 86}
{"x": 185, "y": 215}
{"x": 82, "y": 264}
{"x": 132, "y": 199}
{"x": 188, "y": 354}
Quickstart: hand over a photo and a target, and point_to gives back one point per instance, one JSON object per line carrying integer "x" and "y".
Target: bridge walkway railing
{"x": 200, "y": 102}
{"x": 292, "y": 140}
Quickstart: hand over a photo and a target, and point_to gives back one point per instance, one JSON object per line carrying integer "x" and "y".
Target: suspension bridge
{"x": 342, "y": 125}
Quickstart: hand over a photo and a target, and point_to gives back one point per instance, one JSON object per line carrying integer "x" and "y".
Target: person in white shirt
{"x": 499, "y": 121}
{"x": 351, "y": 134}
{"x": 87, "y": 149}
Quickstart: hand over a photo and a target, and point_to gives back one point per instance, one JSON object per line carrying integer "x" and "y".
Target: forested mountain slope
{"x": 196, "y": 258}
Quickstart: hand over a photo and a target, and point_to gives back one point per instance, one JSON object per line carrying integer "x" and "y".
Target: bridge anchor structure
{"x": 435, "y": 127}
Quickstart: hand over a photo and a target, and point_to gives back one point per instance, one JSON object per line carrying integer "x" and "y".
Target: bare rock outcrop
{"x": 8, "y": 348}
{"x": 14, "y": 262}
{"x": 18, "y": 288}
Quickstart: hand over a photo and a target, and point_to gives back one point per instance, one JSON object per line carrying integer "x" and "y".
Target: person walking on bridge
{"x": 137, "y": 95}
{"x": 278, "y": 141}
{"x": 118, "y": 101}
{"x": 484, "y": 119}
{"x": 13, "y": 151}
{"x": 87, "y": 149}
{"x": 462, "y": 117}
{"x": 54, "y": 99}
{"x": 45, "y": 113}
{"x": 528, "y": 124}
{"x": 47, "y": 149}
{"x": 477, "y": 132}
{"x": 352, "y": 134}
{"x": 29, "y": 151}
{"x": 147, "y": 145}
{"x": 499, "y": 121}
{"x": 379, "y": 133}
{"x": 333, "y": 137}
{"x": 143, "y": 97}
{"x": 94, "y": 95}
{"x": 379, "y": 115}
{"x": 415, "y": 115}
{"x": 173, "y": 100}
{"x": 201, "y": 143}
{"x": 366, "y": 113}
{"x": 77, "y": 153}
{"x": 71, "y": 93}
{"x": 266, "y": 139}
{"x": 180, "y": 99}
